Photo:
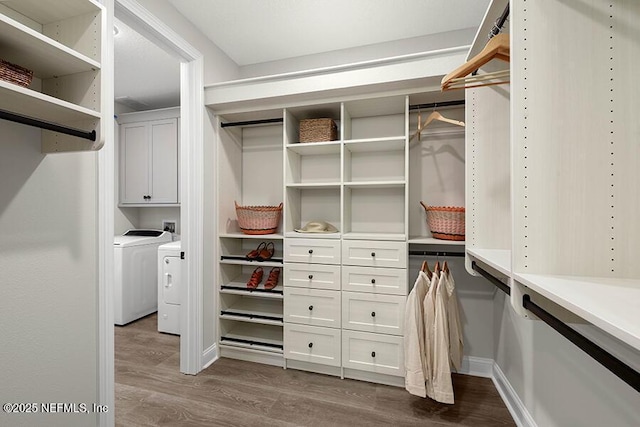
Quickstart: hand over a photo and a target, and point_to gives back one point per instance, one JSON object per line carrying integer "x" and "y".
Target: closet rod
{"x": 436, "y": 253}
{"x": 606, "y": 359}
{"x": 504, "y": 288}
{"x": 435, "y": 104}
{"x": 251, "y": 122}
{"x": 30, "y": 121}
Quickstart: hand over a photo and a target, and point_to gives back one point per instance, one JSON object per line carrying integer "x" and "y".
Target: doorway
{"x": 143, "y": 22}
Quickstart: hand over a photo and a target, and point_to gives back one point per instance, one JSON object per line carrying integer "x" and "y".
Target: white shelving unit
{"x": 62, "y": 43}
{"x": 360, "y": 184}
{"x": 552, "y": 187}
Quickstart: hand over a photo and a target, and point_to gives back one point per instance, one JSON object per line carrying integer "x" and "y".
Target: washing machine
{"x": 169, "y": 284}
{"x": 136, "y": 273}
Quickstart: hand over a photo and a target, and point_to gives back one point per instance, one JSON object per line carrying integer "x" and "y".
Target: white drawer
{"x": 373, "y": 312}
{"x": 370, "y": 253}
{"x": 382, "y": 354}
{"x": 315, "y": 276}
{"x": 375, "y": 280}
{"x": 317, "y": 251}
{"x": 312, "y": 344}
{"x": 312, "y": 307}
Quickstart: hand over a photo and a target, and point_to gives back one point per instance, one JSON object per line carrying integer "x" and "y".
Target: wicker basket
{"x": 445, "y": 222}
{"x": 15, "y": 74}
{"x": 317, "y": 130}
{"x": 258, "y": 219}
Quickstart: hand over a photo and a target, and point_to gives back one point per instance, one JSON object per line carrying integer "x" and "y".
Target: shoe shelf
{"x": 241, "y": 260}
{"x": 241, "y": 235}
{"x": 240, "y": 288}
{"x": 252, "y": 310}
{"x": 252, "y": 336}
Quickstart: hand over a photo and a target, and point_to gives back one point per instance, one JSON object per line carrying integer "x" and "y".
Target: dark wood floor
{"x": 150, "y": 391}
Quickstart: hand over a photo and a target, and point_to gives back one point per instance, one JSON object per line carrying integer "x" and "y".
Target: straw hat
{"x": 317, "y": 227}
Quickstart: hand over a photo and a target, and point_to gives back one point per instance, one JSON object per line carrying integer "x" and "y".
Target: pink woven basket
{"x": 445, "y": 222}
{"x": 258, "y": 219}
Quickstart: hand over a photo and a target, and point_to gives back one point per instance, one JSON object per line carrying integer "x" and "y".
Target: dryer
{"x": 136, "y": 274}
{"x": 169, "y": 287}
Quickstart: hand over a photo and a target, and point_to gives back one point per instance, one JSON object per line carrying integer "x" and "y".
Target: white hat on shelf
{"x": 317, "y": 227}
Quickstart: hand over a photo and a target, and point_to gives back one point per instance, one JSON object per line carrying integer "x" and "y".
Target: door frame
{"x": 191, "y": 192}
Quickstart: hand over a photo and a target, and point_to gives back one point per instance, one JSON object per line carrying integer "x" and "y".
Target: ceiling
{"x": 257, "y": 31}
{"x": 252, "y": 31}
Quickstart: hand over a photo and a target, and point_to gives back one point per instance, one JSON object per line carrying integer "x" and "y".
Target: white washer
{"x": 169, "y": 284}
{"x": 136, "y": 274}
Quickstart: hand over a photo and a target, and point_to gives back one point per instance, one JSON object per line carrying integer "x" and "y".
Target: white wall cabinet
{"x": 63, "y": 45}
{"x": 148, "y": 161}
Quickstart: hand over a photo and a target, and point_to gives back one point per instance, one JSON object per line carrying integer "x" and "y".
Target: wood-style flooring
{"x": 150, "y": 391}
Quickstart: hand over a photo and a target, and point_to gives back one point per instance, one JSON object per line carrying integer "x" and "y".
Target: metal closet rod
{"x": 251, "y": 122}
{"x": 602, "y": 356}
{"x": 30, "y": 121}
{"x": 435, "y": 105}
{"x": 437, "y": 253}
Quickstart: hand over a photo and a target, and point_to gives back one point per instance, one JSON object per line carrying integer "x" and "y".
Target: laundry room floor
{"x": 150, "y": 391}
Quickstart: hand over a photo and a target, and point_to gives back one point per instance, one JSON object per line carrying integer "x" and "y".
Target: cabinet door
{"x": 163, "y": 186}
{"x": 134, "y": 162}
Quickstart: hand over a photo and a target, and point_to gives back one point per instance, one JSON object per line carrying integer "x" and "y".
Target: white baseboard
{"x": 477, "y": 367}
{"x": 518, "y": 411}
{"x": 209, "y": 356}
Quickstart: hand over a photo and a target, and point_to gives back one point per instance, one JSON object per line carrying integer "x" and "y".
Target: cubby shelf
{"x": 241, "y": 235}
{"x": 418, "y": 240}
{"x": 315, "y": 148}
{"x": 374, "y": 236}
{"x": 48, "y": 11}
{"x": 295, "y": 234}
{"x": 318, "y": 185}
{"x": 375, "y": 184}
{"x": 376, "y": 144}
{"x": 47, "y": 58}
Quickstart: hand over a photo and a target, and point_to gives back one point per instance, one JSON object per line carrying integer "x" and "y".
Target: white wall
{"x": 48, "y": 260}
{"x": 218, "y": 67}
{"x": 557, "y": 382}
{"x": 361, "y": 53}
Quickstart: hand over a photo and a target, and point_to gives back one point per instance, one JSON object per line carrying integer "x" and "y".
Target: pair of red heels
{"x": 263, "y": 252}
{"x": 256, "y": 278}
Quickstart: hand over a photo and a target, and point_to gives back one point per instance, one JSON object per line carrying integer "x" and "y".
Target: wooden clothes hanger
{"x": 498, "y": 47}
{"x": 433, "y": 116}
{"x": 425, "y": 269}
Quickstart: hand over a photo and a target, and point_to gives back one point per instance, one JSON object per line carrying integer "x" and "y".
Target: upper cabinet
{"x": 62, "y": 43}
{"x": 149, "y": 158}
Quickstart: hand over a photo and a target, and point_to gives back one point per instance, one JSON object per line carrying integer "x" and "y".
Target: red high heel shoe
{"x": 267, "y": 252}
{"x": 272, "y": 280}
{"x": 256, "y": 278}
{"x": 255, "y": 254}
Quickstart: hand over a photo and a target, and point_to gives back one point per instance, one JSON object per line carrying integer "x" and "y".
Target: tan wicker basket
{"x": 15, "y": 74}
{"x": 318, "y": 130}
{"x": 445, "y": 222}
{"x": 258, "y": 219}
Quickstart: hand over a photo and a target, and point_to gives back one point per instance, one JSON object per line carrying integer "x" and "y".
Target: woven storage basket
{"x": 445, "y": 222}
{"x": 317, "y": 130}
{"x": 15, "y": 74}
{"x": 258, "y": 219}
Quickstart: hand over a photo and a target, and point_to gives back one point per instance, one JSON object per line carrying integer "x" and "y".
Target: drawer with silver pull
{"x": 317, "y": 251}
{"x": 312, "y": 344}
{"x": 375, "y": 280}
{"x": 370, "y": 253}
{"x": 315, "y": 276}
{"x": 373, "y": 312}
{"x": 382, "y": 354}
{"x": 317, "y": 307}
